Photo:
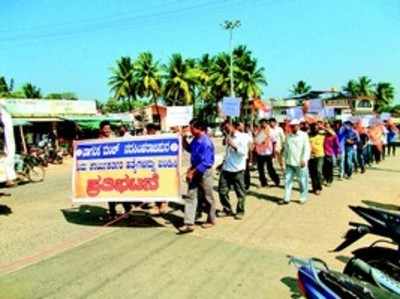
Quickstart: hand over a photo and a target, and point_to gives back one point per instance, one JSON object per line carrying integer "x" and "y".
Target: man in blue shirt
{"x": 199, "y": 175}
{"x": 349, "y": 138}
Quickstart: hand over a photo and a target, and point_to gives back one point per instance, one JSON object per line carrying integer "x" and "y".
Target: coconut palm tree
{"x": 365, "y": 86}
{"x": 6, "y": 88}
{"x": 122, "y": 81}
{"x": 352, "y": 88}
{"x": 220, "y": 76}
{"x": 147, "y": 78}
{"x": 31, "y": 92}
{"x": 384, "y": 94}
{"x": 249, "y": 78}
{"x": 300, "y": 87}
{"x": 181, "y": 78}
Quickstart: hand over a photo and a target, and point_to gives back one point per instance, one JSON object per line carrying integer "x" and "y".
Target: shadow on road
{"x": 5, "y": 210}
{"x": 96, "y": 216}
{"x": 271, "y": 198}
{"x": 291, "y": 283}
{"x": 381, "y": 205}
{"x": 384, "y": 169}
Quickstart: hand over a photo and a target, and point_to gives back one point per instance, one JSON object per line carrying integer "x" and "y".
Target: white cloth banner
{"x": 327, "y": 112}
{"x": 179, "y": 116}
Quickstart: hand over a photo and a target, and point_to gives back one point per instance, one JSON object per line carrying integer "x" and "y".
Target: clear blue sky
{"x": 71, "y": 45}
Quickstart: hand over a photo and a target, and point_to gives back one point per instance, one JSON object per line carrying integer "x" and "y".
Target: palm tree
{"x": 352, "y": 88}
{"x": 384, "y": 94}
{"x": 182, "y": 77}
{"x": 147, "y": 78}
{"x": 6, "y": 88}
{"x": 249, "y": 78}
{"x": 300, "y": 87}
{"x": 31, "y": 92}
{"x": 122, "y": 81}
{"x": 365, "y": 86}
{"x": 220, "y": 76}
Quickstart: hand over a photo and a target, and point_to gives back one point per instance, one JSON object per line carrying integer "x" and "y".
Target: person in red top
{"x": 331, "y": 149}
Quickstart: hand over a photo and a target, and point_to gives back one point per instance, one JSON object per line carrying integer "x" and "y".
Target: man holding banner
{"x": 199, "y": 175}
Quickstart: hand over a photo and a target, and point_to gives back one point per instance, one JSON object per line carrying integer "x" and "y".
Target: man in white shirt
{"x": 278, "y": 134}
{"x": 297, "y": 153}
{"x": 265, "y": 144}
{"x": 248, "y": 135}
{"x": 232, "y": 172}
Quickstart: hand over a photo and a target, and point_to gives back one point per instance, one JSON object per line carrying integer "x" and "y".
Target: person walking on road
{"x": 296, "y": 154}
{"x": 199, "y": 175}
{"x": 278, "y": 134}
{"x": 331, "y": 151}
{"x": 315, "y": 164}
{"x": 265, "y": 147}
{"x": 232, "y": 171}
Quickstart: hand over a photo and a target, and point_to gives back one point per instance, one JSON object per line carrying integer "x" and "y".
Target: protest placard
{"x": 385, "y": 116}
{"x": 231, "y": 106}
{"x": 295, "y": 113}
{"x": 314, "y": 106}
{"x": 327, "y": 112}
{"x": 144, "y": 169}
{"x": 178, "y": 116}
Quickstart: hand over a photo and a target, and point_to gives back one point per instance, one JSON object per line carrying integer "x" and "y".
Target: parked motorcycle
{"x": 51, "y": 154}
{"x": 29, "y": 168}
{"x": 317, "y": 281}
{"x": 384, "y": 258}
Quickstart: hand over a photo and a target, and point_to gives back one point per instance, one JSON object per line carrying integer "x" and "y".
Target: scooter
{"x": 381, "y": 223}
{"x": 317, "y": 281}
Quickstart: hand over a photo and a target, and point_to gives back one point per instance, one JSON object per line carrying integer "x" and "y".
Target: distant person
{"x": 232, "y": 171}
{"x": 279, "y": 136}
{"x": 199, "y": 175}
{"x": 392, "y": 136}
{"x": 350, "y": 138}
{"x": 296, "y": 153}
{"x": 248, "y": 135}
{"x": 124, "y": 132}
{"x": 316, "y": 162}
{"x": 331, "y": 152}
{"x": 265, "y": 143}
{"x": 105, "y": 133}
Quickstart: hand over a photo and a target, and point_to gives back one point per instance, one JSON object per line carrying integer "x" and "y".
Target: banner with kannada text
{"x": 143, "y": 169}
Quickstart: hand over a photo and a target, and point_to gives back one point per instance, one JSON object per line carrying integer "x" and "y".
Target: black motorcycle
{"x": 384, "y": 258}
{"x": 29, "y": 168}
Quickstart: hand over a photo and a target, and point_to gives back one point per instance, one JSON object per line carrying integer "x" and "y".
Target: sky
{"x": 72, "y": 45}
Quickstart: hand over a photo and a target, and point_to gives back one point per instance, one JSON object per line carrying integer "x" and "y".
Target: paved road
{"x": 50, "y": 250}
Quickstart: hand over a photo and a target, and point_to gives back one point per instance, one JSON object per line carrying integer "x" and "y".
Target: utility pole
{"x": 230, "y": 26}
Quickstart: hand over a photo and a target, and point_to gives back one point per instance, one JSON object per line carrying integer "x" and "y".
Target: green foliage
{"x": 300, "y": 87}
{"x": 199, "y": 82}
{"x": 361, "y": 87}
{"x": 62, "y": 96}
{"x": 31, "y": 92}
{"x": 384, "y": 96}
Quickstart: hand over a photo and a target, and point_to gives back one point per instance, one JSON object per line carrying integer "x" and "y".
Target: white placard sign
{"x": 315, "y": 106}
{"x": 385, "y": 116}
{"x": 179, "y": 116}
{"x": 231, "y": 106}
{"x": 327, "y": 112}
{"x": 295, "y": 113}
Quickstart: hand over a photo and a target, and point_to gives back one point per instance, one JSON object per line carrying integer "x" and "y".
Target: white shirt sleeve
{"x": 306, "y": 148}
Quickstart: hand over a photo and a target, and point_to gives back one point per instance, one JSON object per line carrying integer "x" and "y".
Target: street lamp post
{"x": 231, "y": 25}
